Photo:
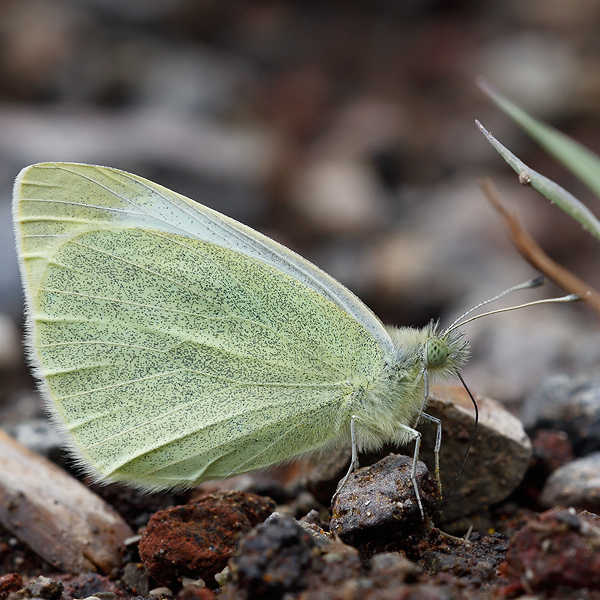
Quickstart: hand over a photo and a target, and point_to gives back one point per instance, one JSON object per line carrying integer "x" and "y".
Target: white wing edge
{"x": 213, "y": 227}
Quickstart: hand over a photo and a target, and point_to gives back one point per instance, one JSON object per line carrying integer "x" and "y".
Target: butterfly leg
{"x": 353, "y": 460}
{"x": 438, "y": 445}
{"x": 415, "y": 435}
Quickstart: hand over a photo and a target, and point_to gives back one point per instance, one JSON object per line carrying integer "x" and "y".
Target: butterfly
{"x": 175, "y": 345}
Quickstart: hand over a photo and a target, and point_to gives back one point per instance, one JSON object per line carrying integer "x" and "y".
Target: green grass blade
{"x": 554, "y": 192}
{"x": 582, "y": 162}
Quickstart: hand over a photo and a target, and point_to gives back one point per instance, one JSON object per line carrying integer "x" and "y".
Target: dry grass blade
{"x": 529, "y": 249}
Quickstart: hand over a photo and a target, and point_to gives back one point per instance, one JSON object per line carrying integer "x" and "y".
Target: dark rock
{"x": 272, "y": 560}
{"x": 89, "y": 584}
{"x": 559, "y": 548}
{"x": 551, "y": 450}
{"x": 575, "y": 484}
{"x": 136, "y": 579}
{"x": 197, "y": 540}
{"x": 278, "y": 560}
{"x": 377, "y": 502}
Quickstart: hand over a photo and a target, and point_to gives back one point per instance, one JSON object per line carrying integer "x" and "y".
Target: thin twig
{"x": 532, "y": 253}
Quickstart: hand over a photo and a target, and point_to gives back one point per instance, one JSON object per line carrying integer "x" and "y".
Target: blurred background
{"x": 343, "y": 129}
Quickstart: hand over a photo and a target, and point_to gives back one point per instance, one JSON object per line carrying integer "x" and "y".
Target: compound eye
{"x": 437, "y": 352}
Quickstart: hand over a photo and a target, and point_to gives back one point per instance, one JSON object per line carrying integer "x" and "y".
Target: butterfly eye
{"x": 437, "y": 352}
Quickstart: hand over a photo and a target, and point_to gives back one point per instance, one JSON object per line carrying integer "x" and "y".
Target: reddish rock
{"x": 560, "y": 548}
{"x": 11, "y": 582}
{"x": 196, "y": 540}
{"x": 552, "y": 449}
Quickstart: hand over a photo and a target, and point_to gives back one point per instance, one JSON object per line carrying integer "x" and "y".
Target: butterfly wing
{"x": 171, "y": 358}
{"x": 77, "y": 195}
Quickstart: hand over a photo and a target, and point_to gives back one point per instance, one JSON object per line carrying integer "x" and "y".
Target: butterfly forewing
{"x": 58, "y": 198}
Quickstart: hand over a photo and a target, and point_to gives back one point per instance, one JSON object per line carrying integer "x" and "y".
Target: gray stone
{"x": 497, "y": 461}
{"x": 570, "y": 404}
{"x": 575, "y": 484}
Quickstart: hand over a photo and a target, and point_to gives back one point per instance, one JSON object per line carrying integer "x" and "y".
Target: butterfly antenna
{"x": 532, "y": 283}
{"x": 569, "y": 298}
{"x": 464, "y": 460}
{"x": 536, "y": 282}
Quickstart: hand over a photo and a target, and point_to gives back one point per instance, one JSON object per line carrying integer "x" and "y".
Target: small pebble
{"x": 136, "y": 578}
{"x": 132, "y": 540}
{"x": 160, "y": 591}
{"x": 11, "y": 582}
{"x": 195, "y": 582}
{"x": 222, "y": 577}
{"x": 392, "y": 563}
{"x": 485, "y": 570}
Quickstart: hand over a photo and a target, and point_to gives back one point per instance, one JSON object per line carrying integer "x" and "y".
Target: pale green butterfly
{"x": 176, "y": 345}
